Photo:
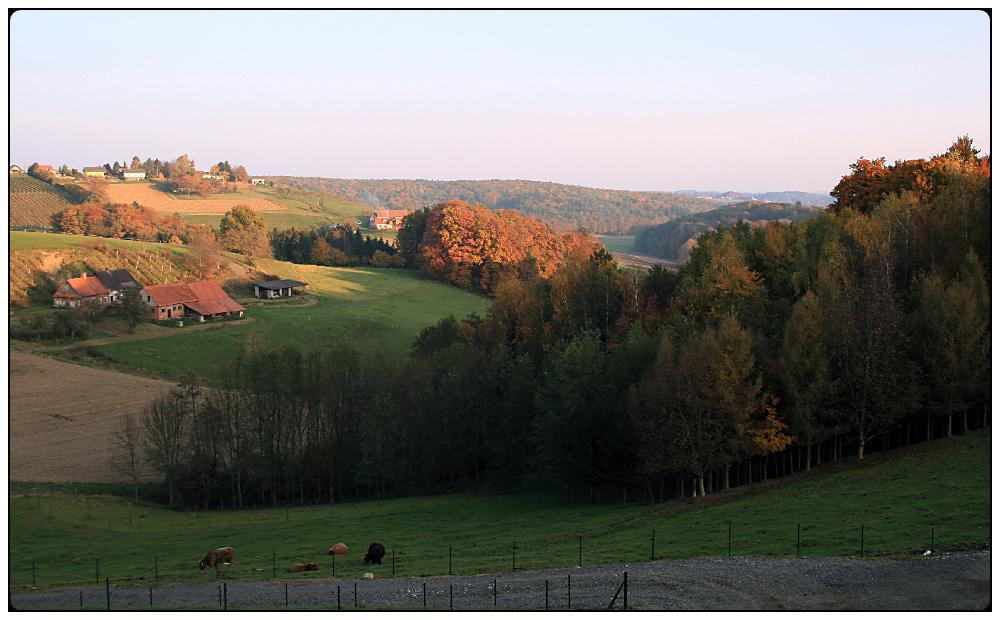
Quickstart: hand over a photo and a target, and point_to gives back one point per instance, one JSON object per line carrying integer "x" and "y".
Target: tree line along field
{"x": 33, "y": 202}
{"x": 73, "y": 535}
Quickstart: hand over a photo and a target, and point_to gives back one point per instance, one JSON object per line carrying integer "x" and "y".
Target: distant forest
{"x": 563, "y": 207}
{"x": 675, "y": 239}
{"x": 808, "y": 199}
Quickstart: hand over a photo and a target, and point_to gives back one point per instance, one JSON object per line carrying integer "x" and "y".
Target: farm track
{"x": 945, "y": 582}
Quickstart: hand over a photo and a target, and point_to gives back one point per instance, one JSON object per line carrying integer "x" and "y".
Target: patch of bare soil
{"x": 62, "y": 416}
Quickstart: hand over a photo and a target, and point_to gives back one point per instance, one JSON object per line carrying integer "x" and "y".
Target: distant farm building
{"x": 95, "y": 171}
{"x": 133, "y": 175}
{"x": 277, "y": 288}
{"x": 15, "y": 168}
{"x": 44, "y": 167}
{"x": 103, "y": 288}
{"x": 387, "y": 219}
{"x": 257, "y": 181}
{"x": 199, "y": 300}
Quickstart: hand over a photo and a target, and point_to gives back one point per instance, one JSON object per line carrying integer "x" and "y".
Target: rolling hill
{"x": 563, "y": 207}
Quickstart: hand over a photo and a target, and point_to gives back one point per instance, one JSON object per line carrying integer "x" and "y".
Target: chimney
{"x": 83, "y": 275}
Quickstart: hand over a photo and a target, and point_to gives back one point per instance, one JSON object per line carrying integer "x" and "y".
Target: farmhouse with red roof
{"x": 384, "y": 219}
{"x": 77, "y": 292}
{"x": 196, "y": 299}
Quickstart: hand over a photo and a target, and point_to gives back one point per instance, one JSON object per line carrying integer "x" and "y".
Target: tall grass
{"x": 78, "y": 539}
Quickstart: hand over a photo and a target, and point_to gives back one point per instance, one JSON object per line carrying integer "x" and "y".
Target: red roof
{"x": 202, "y": 297}
{"x": 390, "y": 213}
{"x": 82, "y": 287}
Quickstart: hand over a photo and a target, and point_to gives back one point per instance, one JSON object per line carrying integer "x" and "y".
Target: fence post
{"x": 652, "y": 552}
{"x": 425, "y": 594}
{"x": 156, "y": 568}
{"x": 569, "y": 593}
{"x": 494, "y": 592}
{"x": 932, "y": 539}
{"x": 97, "y": 571}
{"x": 150, "y": 596}
{"x": 355, "y": 593}
{"x": 286, "y": 594}
{"x": 451, "y": 596}
{"x": 32, "y": 574}
{"x": 862, "y": 541}
{"x": 393, "y": 562}
{"x": 81, "y": 599}
{"x": 546, "y": 595}
{"x": 581, "y": 553}
{"x": 333, "y": 561}
{"x": 274, "y": 564}
{"x": 107, "y": 591}
{"x": 220, "y": 595}
{"x": 338, "y": 598}
{"x": 730, "y": 539}
{"x": 225, "y": 596}
{"x": 626, "y": 590}
{"x": 513, "y": 556}
{"x": 798, "y": 542}
{"x": 449, "y": 559}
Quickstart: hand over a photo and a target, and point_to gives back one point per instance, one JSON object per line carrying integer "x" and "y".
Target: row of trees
{"x": 124, "y": 220}
{"x": 774, "y": 348}
{"x": 337, "y": 246}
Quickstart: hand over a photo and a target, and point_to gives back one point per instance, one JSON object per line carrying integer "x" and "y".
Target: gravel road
{"x": 944, "y": 582}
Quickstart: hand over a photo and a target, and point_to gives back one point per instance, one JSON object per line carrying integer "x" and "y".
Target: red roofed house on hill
{"x": 102, "y": 288}
{"x": 78, "y": 292}
{"x": 383, "y": 219}
{"x": 196, "y": 299}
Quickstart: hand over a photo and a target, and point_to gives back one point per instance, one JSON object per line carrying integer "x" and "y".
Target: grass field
{"x": 618, "y": 243}
{"x": 378, "y": 309}
{"x": 898, "y": 496}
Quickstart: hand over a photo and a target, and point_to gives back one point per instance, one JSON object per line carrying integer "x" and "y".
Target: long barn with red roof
{"x": 199, "y": 300}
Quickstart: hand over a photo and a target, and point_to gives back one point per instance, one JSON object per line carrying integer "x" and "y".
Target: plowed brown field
{"x": 62, "y": 417}
{"x": 156, "y": 200}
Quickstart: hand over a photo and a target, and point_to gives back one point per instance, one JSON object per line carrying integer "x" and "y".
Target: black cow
{"x": 375, "y": 553}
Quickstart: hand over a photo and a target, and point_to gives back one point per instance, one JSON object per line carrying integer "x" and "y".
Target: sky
{"x": 637, "y": 100}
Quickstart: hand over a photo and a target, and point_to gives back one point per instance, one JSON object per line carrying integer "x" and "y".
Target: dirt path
{"x": 947, "y": 582}
{"x": 62, "y": 416}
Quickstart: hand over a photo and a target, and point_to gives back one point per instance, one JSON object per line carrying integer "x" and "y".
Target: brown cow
{"x": 222, "y": 555}
{"x": 298, "y": 568}
{"x": 338, "y": 549}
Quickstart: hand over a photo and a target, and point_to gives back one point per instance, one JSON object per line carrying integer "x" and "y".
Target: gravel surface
{"x": 943, "y": 582}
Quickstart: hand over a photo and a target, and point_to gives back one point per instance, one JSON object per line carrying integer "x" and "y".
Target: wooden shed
{"x": 278, "y": 288}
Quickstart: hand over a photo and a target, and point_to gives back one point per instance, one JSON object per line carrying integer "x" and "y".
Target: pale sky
{"x": 637, "y": 100}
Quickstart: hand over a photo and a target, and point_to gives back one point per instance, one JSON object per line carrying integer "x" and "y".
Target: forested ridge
{"x": 773, "y": 349}
{"x": 675, "y": 239}
{"x": 562, "y": 207}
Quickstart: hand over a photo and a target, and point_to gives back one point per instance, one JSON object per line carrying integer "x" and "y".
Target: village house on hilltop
{"x": 199, "y": 300}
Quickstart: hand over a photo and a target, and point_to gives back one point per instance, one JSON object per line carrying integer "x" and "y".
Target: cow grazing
{"x": 222, "y": 555}
{"x": 298, "y": 568}
{"x": 338, "y": 549}
{"x": 375, "y": 553}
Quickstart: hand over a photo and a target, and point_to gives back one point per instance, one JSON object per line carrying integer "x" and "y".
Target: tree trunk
{"x": 948, "y": 432}
{"x": 861, "y": 446}
{"x": 700, "y": 491}
{"x": 725, "y": 478}
{"x": 928, "y": 426}
{"x": 808, "y": 457}
{"x": 965, "y": 422}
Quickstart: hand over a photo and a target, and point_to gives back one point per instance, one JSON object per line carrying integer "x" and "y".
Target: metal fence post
{"x": 626, "y": 590}
{"x": 494, "y": 592}
{"x": 425, "y": 594}
{"x": 546, "y": 595}
{"x": 862, "y": 541}
{"x": 156, "y": 568}
{"x": 393, "y": 562}
{"x": 581, "y": 552}
{"x": 569, "y": 592}
{"x": 150, "y": 596}
{"x": 355, "y": 593}
{"x": 107, "y": 591}
{"x": 451, "y": 596}
{"x": 449, "y": 559}
{"x": 338, "y": 598}
{"x": 225, "y": 596}
{"x": 798, "y": 542}
{"x": 286, "y": 594}
{"x": 32, "y": 574}
{"x": 730, "y": 539}
{"x": 652, "y": 552}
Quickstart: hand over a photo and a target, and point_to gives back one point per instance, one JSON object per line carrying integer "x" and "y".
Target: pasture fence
{"x": 31, "y": 573}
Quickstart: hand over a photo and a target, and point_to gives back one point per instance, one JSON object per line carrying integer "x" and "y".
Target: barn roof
{"x": 276, "y": 284}
{"x": 202, "y": 297}
{"x": 379, "y": 213}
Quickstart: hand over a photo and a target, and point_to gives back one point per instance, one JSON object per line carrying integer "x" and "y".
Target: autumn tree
{"x": 165, "y": 426}
{"x": 244, "y": 231}
{"x": 128, "y": 458}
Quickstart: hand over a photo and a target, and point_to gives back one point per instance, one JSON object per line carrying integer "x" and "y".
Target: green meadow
{"x": 382, "y": 310}
{"x": 20, "y": 240}
{"x": 77, "y": 536}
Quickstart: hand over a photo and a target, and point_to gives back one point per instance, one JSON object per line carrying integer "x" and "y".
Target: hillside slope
{"x": 563, "y": 207}
{"x": 32, "y": 202}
